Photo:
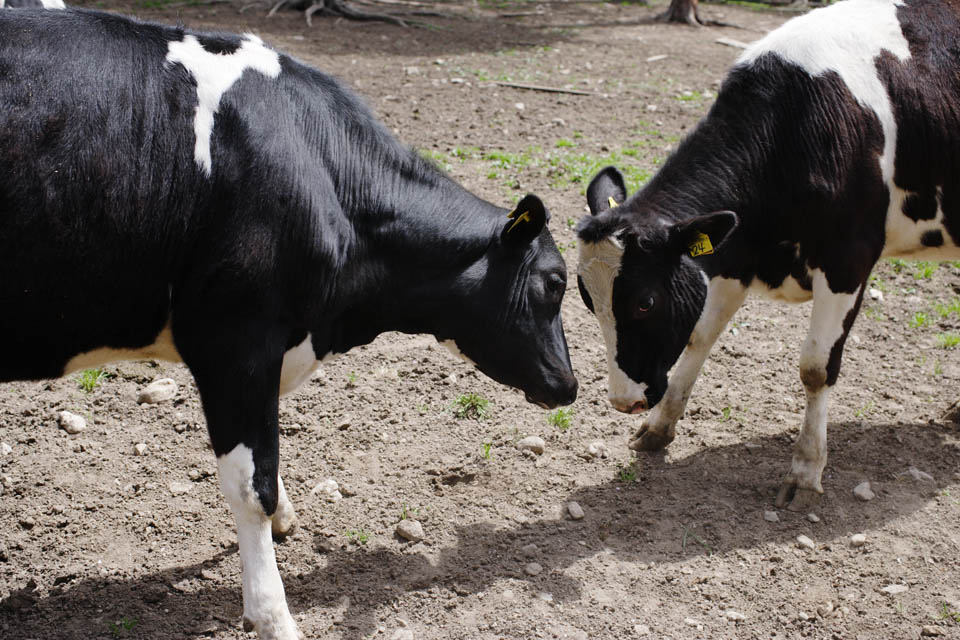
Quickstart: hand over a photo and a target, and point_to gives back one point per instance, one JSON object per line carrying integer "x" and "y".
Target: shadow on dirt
{"x": 708, "y": 503}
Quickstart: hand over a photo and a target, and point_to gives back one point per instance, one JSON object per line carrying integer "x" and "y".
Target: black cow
{"x": 834, "y": 141}
{"x": 201, "y": 197}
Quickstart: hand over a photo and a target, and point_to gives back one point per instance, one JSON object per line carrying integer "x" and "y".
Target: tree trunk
{"x": 682, "y": 11}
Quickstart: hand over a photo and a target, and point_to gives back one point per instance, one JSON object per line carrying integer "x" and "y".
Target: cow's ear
{"x": 525, "y": 222}
{"x": 704, "y": 234}
{"x": 606, "y": 190}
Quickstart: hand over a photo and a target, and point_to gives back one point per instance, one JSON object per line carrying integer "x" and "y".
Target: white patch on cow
{"x": 215, "y": 74}
{"x": 452, "y": 347}
{"x": 724, "y": 297}
{"x": 846, "y": 38}
{"x": 264, "y": 601}
{"x": 599, "y": 266}
{"x": 903, "y": 235}
{"x": 2, "y": 3}
{"x": 161, "y": 349}
{"x": 53, "y": 4}
{"x": 788, "y": 291}
{"x": 285, "y": 517}
{"x": 298, "y": 363}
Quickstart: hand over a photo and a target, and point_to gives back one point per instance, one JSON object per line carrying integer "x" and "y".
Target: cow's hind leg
{"x": 237, "y": 371}
{"x": 830, "y": 321}
{"x": 724, "y": 297}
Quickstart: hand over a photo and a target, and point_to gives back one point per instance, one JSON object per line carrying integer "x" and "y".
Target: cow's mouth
{"x": 539, "y": 403}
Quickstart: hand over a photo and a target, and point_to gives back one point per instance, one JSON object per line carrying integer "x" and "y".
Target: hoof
{"x": 796, "y": 499}
{"x": 271, "y": 632}
{"x": 282, "y": 531}
{"x": 646, "y": 440}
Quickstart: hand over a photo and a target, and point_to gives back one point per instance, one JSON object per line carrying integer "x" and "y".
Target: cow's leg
{"x": 284, "y": 519}
{"x": 724, "y": 297}
{"x": 830, "y": 321}
{"x": 237, "y": 370}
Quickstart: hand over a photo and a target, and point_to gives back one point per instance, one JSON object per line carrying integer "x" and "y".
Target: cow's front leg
{"x": 237, "y": 371}
{"x": 830, "y": 321}
{"x": 724, "y": 297}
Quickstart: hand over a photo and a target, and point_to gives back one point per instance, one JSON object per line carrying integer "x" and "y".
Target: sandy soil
{"x": 97, "y": 542}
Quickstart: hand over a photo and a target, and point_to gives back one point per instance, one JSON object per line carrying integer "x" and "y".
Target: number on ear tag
{"x": 701, "y": 246}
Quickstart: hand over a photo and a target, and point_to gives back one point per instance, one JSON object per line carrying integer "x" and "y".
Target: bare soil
{"x": 97, "y": 542}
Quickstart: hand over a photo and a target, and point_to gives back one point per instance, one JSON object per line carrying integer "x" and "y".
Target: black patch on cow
{"x": 219, "y": 44}
{"x": 921, "y": 206}
{"x": 932, "y": 238}
{"x": 836, "y": 351}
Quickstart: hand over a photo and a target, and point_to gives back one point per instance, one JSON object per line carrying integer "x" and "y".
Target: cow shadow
{"x": 707, "y": 503}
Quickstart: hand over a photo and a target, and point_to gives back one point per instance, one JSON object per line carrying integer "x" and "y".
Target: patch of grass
{"x": 919, "y": 319}
{"x": 689, "y": 96}
{"x": 466, "y": 153}
{"x": 471, "y": 406}
{"x": 864, "y": 410}
{"x": 946, "y": 613}
{"x": 352, "y": 379}
{"x": 937, "y": 368}
{"x": 563, "y": 247}
{"x": 407, "y": 512}
{"x": 725, "y": 414}
{"x": 436, "y": 158}
{"x": 688, "y": 533}
{"x": 357, "y": 536}
{"x": 897, "y": 264}
{"x": 486, "y": 451}
{"x": 924, "y": 270}
{"x": 90, "y": 379}
{"x": 874, "y": 314}
{"x": 948, "y": 340}
{"x": 561, "y": 418}
{"x": 568, "y": 169}
{"x": 571, "y": 222}
{"x": 122, "y": 626}
{"x": 564, "y": 143}
{"x": 946, "y": 310}
{"x": 626, "y": 473}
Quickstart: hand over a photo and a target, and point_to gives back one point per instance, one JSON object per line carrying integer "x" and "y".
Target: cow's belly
{"x": 790, "y": 290}
{"x": 161, "y": 349}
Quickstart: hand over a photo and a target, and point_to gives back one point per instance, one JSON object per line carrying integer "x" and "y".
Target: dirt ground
{"x": 98, "y": 542}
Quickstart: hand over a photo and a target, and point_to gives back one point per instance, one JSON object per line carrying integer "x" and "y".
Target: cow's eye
{"x": 556, "y": 285}
{"x": 645, "y": 304}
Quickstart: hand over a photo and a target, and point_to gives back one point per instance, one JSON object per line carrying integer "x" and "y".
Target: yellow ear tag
{"x": 701, "y": 246}
{"x": 613, "y": 203}
{"x": 523, "y": 217}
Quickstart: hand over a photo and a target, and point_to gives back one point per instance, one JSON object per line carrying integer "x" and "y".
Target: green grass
{"x": 90, "y": 379}
{"x": 946, "y": 310}
{"x": 864, "y": 410}
{"x": 726, "y": 414}
{"x": 946, "y": 613}
{"x": 352, "y": 379}
{"x": 688, "y": 533}
{"x": 471, "y": 406}
{"x": 947, "y": 340}
{"x": 564, "y": 143}
{"x": 919, "y": 319}
{"x": 407, "y": 512}
{"x": 122, "y": 626}
{"x": 436, "y": 158}
{"x": 561, "y": 418}
{"x": 626, "y": 473}
{"x": 924, "y": 270}
{"x": 486, "y": 451}
{"x": 357, "y": 536}
{"x": 898, "y": 264}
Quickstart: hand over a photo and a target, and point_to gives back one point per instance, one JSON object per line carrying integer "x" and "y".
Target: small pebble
{"x": 158, "y": 391}
{"x": 410, "y": 530}
{"x": 597, "y": 449}
{"x": 642, "y": 630}
{"x": 402, "y": 634}
{"x": 71, "y": 422}
{"x": 771, "y": 516}
{"x": 825, "y": 610}
{"x": 545, "y": 596}
{"x": 693, "y": 622}
{"x": 916, "y": 474}
{"x": 140, "y": 449}
{"x": 858, "y": 540}
{"x": 5, "y": 449}
{"x": 735, "y": 616}
{"x": 535, "y": 444}
{"x": 895, "y": 589}
{"x": 931, "y": 630}
{"x": 812, "y": 517}
{"x": 329, "y": 489}
{"x": 179, "y": 488}
{"x": 530, "y": 550}
{"x": 806, "y": 542}
{"x": 876, "y": 294}
{"x": 864, "y": 492}
{"x": 575, "y": 511}
{"x": 533, "y": 569}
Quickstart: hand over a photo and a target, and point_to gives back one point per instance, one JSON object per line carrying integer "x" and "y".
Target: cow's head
{"x": 511, "y": 328}
{"x": 638, "y": 275}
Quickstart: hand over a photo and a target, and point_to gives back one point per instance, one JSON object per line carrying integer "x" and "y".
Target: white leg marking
{"x": 826, "y": 328}
{"x": 264, "y": 602}
{"x": 599, "y": 265}
{"x": 285, "y": 518}
{"x": 214, "y": 75}
{"x": 724, "y": 297}
{"x": 298, "y": 364}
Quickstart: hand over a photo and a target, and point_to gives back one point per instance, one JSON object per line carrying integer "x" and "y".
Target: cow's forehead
{"x": 598, "y": 266}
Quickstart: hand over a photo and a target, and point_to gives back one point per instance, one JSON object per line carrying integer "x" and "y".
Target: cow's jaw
{"x": 599, "y": 267}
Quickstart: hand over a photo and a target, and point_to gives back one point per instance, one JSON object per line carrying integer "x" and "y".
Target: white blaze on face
{"x": 215, "y": 74}
{"x": 599, "y": 266}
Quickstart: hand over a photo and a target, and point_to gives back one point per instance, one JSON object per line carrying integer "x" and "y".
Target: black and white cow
{"x": 834, "y": 141}
{"x": 202, "y": 198}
